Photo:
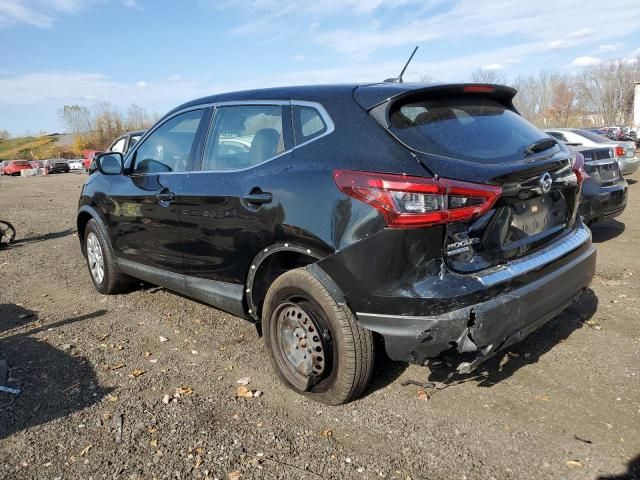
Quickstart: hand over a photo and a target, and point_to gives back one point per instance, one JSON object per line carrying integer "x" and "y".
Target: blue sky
{"x": 159, "y": 53}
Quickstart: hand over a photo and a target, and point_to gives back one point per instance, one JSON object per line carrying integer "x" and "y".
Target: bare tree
{"x": 4, "y": 135}
{"x": 138, "y": 118}
{"x": 96, "y": 127}
{"x": 488, "y": 76}
{"x": 608, "y": 89}
{"x": 427, "y": 78}
{"x": 561, "y": 111}
{"x": 549, "y": 99}
{"x": 76, "y": 119}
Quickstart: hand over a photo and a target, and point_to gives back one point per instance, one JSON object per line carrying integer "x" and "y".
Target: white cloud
{"x": 64, "y": 87}
{"x": 582, "y": 33}
{"x": 558, "y": 44}
{"x": 133, "y": 4}
{"x": 493, "y": 67}
{"x": 454, "y": 21}
{"x": 586, "y": 61}
{"x": 363, "y": 43}
{"x": 299, "y": 58}
{"x": 37, "y": 13}
{"x": 609, "y": 47}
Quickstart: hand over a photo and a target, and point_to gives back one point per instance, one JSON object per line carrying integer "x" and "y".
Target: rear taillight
{"x": 619, "y": 151}
{"x": 415, "y": 201}
{"x": 578, "y": 168}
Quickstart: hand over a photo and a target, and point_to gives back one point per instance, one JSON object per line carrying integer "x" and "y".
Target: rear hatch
{"x": 473, "y": 133}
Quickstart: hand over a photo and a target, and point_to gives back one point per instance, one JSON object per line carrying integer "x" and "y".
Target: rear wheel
{"x": 102, "y": 266}
{"x": 316, "y": 346}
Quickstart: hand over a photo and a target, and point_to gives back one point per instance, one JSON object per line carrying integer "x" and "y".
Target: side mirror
{"x": 109, "y": 163}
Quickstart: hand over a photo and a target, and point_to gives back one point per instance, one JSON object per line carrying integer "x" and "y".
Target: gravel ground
{"x": 143, "y": 385}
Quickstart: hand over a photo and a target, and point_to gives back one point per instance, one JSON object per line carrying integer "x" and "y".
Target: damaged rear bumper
{"x": 489, "y": 326}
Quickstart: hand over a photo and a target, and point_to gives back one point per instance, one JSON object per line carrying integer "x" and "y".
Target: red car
{"x": 89, "y": 155}
{"x": 14, "y": 167}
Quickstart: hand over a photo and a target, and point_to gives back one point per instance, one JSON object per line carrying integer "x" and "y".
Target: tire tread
{"x": 358, "y": 347}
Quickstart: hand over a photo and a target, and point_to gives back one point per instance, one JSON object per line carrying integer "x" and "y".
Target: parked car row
{"x": 626, "y": 134}
{"x": 625, "y": 152}
{"x": 54, "y": 165}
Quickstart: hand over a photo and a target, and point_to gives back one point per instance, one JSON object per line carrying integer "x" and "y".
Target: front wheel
{"x": 316, "y": 346}
{"x": 102, "y": 265}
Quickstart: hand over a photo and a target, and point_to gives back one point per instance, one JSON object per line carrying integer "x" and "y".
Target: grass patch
{"x": 28, "y": 148}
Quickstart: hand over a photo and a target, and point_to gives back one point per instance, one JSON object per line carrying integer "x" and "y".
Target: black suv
{"x": 432, "y": 216}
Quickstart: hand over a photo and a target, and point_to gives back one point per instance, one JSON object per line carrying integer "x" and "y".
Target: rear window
{"x": 594, "y": 137}
{"x": 466, "y": 128}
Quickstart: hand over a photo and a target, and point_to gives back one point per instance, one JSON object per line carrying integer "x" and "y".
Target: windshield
{"x": 467, "y": 128}
{"x": 594, "y": 137}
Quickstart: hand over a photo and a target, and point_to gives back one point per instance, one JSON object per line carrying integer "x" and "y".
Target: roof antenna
{"x": 398, "y": 79}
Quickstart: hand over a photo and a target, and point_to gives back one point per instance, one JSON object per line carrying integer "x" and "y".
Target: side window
{"x": 308, "y": 123}
{"x": 244, "y": 136}
{"x": 170, "y": 146}
{"x": 118, "y": 146}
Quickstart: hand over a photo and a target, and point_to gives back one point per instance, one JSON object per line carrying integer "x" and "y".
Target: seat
{"x": 264, "y": 145}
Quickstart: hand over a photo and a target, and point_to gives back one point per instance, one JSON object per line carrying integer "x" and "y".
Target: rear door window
{"x": 244, "y": 136}
{"x": 467, "y": 128}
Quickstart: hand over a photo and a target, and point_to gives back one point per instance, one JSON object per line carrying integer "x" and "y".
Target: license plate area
{"x": 530, "y": 218}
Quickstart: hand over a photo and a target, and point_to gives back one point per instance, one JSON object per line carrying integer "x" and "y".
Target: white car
{"x": 75, "y": 164}
{"x": 625, "y": 152}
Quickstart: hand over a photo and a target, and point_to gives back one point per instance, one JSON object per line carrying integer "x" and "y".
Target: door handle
{"x": 257, "y": 198}
{"x": 166, "y": 197}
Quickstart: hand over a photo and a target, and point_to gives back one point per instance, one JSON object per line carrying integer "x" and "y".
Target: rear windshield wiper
{"x": 540, "y": 145}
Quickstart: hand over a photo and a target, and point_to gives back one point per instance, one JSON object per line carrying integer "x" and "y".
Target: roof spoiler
{"x": 500, "y": 93}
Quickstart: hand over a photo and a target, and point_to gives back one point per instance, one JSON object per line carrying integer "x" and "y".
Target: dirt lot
{"x": 565, "y": 403}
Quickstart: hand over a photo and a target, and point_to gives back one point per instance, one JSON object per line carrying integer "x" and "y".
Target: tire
{"x": 7, "y": 233}
{"x": 346, "y": 349}
{"x": 111, "y": 281}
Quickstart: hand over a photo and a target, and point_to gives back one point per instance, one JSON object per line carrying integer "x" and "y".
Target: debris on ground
{"x": 244, "y": 392}
{"x": 423, "y": 395}
{"x": 117, "y": 424}
{"x": 177, "y": 393}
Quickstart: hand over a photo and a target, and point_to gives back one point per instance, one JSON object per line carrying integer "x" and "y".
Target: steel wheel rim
{"x": 300, "y": 343}
{"x": 95, "y": 258}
